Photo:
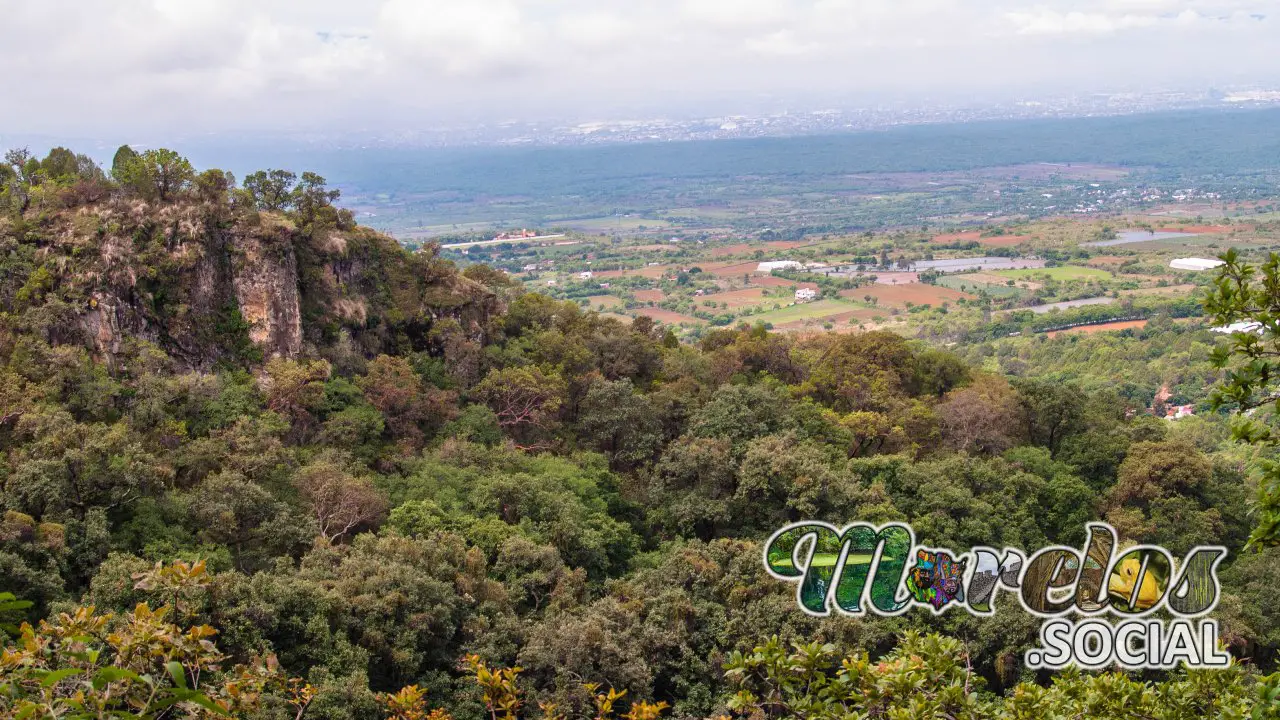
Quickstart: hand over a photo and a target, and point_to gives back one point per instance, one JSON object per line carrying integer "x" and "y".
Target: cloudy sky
{"x": 107, "y": 66}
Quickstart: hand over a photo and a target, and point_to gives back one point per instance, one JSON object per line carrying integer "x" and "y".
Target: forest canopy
{"x": 340, "y": 478}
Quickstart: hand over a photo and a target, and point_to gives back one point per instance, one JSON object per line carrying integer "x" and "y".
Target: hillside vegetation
{"x": 258, "y": 460}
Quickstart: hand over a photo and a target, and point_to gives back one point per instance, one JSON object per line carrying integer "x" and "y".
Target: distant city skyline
{"x": 662, "y": 128}
{"x": 171, "y": 67}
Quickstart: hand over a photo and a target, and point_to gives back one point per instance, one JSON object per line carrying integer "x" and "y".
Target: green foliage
{"x": 66, "y": 468}
{"x": 439, "y": 466}
{"x": 85, "y": 665}
{"x": 121, "y": 163}
{"x": 477, "y": 424}
{"x": 280, "y": 190}
{"x": 524, "y": 399}
{"x": 1169, "y": 494}
{"x": 232, "y": 332}
{"x": 157, "y": 174}
{"x": 491, "y": 495}
{"x": 620, "y": 422}
{"x": 931, "y": 676}
{"x": 1250, "y": 295}
{"x": 270, "y": 189}
{"x": 11, "y": 608}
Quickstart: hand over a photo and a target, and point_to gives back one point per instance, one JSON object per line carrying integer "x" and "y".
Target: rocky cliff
{"x": 208, "y": 282}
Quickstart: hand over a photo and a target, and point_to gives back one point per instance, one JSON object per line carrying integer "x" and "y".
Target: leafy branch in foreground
{"x": 503, "y": 699}
{"x": 1248, "y": 298}
{"x": 83, "y": 664}
{"x": 929, "y": 676}
{"x": 10, "y": 608}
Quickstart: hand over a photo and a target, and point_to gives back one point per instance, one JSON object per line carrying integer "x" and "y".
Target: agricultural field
{"x": 896, "y": 278}
{"x": 669, "y": 317}
{"x": 749, "y": 248}
{"x": 654, "y": 271}
{"x": 981, "y": 239}
{"x": 605, "y": 302}
{"x": 932, "y": 282}
{"x": 1066, "y": 273}
{"x": 652, "y": 295}
{"x": 1100, "y": 327}
{"x": 1166, "y": 290}
{"x": 770, "y": 281}
{"x": 982, "y": 282}
{"x": 860, "y": 320}
{"x": 669, "y": 248}
{"x": 747, "y": 297}
{"x": 616, "y": 224}
{"x": 819, "y": 310}
{"x": 731, "y": 269}
{"x": 983, "y": 278}
{"x": 1107, "y": 261}
{"x": 907, "y": 295}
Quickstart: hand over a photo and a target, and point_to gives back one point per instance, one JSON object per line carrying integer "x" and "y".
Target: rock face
{"x": 266, "y": 290}
{"x": 207, "y": 283}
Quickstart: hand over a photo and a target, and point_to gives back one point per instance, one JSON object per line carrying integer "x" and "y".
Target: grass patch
{"x": 1065, "y": 273}
{"x": 828, "y": 560}
{"x": 607, "y": 302}
{"x": 965, "y": 283}
{"x": 803, "y": 311}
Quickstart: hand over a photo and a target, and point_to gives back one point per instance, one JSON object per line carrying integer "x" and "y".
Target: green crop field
{"x": 804, "y": 311}
{"x": 965, "y": 283}
{"x": 1065, "y": 273}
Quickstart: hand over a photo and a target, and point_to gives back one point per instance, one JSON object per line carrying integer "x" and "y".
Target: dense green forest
{"x": 258, "y": 460}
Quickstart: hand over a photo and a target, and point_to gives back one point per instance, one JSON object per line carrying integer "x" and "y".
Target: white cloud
{"x": 215, "y": 64}
{"x": 737, "y": 14}
{"x": 1105, "y": 17}
{"x": 1044, "y": 21}
{"x": 782, "y": 42}
{"x": 593, "y": 31}
{"x": 471, "y": 38}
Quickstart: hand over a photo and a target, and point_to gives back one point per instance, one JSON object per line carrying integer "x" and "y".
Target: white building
{"x": 772, "y": 265}
{"x": 1245, "y": 326}
{"x": 585, "y": 275}
{"x": 806, "y": 294}
{"x": 1193, "y": 263}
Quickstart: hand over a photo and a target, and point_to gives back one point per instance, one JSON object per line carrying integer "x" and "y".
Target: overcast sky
{"x": 95, "y": 67}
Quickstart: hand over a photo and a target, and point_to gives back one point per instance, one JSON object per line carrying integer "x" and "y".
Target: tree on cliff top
{"x": 279, "y": 190}
{"x": 154, "y": 174}
{"x": 120, "y": 162}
